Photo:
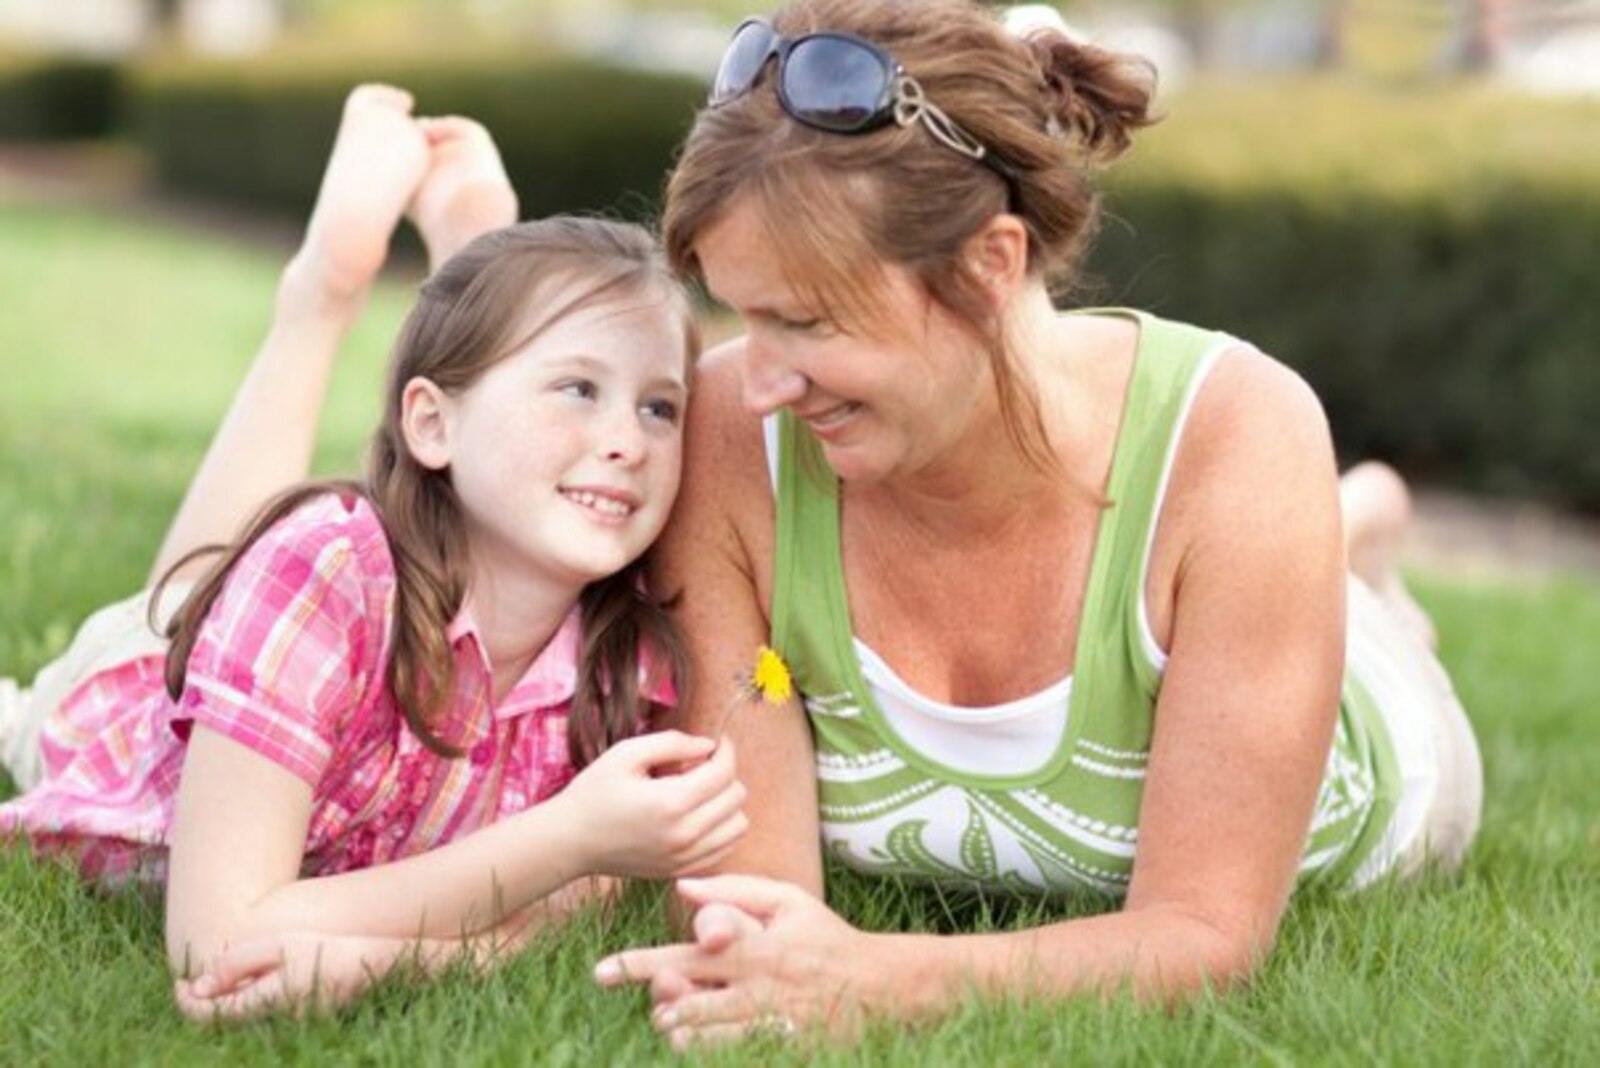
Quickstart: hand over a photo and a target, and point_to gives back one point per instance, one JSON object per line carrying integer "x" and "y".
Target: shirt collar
{"x": 549, "y": 683}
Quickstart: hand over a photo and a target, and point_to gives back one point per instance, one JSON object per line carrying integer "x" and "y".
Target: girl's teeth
{"x": 604, "y": 505}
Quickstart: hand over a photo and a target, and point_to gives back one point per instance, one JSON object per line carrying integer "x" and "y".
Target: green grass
{"x": 122, "y": 342}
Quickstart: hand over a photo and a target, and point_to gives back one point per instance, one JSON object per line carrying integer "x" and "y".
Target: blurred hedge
{"x": 574, "y": 135}
{"x": 1429, "y": 261}
{"x": 55, "y": 98}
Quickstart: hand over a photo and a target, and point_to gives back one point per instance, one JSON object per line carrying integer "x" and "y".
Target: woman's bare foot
{"x": 465, "y": 192}
{"x": 378, "y": 160}
{"x": 1377, "y": 512}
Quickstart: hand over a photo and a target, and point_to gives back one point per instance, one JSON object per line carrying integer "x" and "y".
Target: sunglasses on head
{"x": 840, "y": 83}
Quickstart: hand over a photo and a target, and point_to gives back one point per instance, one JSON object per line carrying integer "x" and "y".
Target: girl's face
{"x": 880, "y": 405}
{"x": 566, "y": 455}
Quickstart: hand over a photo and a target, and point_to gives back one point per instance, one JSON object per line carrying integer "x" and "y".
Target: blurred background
{"x": 1400, "y": 198}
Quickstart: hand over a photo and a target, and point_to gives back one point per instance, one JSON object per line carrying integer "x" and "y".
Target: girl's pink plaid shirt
{"x": 291, "y": 662}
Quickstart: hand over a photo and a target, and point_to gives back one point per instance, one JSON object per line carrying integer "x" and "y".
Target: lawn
{"x": 121, "y": 341}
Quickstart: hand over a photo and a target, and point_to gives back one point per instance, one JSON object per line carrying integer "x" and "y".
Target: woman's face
{"x": 885, "y": 403}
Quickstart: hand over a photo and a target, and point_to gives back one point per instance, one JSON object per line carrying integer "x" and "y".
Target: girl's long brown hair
{"x": 485, "y": 303}
{"x": 838, "y": 207}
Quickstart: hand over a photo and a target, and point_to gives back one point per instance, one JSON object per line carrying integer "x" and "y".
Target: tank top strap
{"x": 810, "y": 623}
{"x": 1114, "y": 675}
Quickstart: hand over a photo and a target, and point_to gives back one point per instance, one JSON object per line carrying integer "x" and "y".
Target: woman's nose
{"x": 769, "y": 382}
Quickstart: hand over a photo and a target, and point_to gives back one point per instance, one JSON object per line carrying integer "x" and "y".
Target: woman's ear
{"x": 425, "y": 422}
{"x": 997, "y": 256}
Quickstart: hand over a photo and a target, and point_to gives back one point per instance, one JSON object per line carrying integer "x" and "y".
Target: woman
{"x": 1065, "y": 594}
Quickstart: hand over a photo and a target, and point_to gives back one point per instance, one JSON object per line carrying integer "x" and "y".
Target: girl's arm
{"x": 319, "y": 972}
{"x": 241, "y": 822}
{"x": 1242, "y": 730}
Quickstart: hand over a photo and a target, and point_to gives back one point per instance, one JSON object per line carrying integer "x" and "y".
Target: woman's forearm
{"x": 1159, "y": 953}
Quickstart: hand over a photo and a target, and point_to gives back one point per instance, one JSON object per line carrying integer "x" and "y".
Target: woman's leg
{"x": 265, "y": 442}
{"x": 1377, "y": 513}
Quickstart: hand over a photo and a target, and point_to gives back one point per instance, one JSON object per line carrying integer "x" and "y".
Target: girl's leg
{"x": 265, "y": 442}
{"x": 1377, "y": 512}
{"x": 466, "y": 192}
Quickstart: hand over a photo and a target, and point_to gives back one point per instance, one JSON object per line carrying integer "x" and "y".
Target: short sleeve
{"x": 656, "y": 684}
{"x": 288, "y": 647}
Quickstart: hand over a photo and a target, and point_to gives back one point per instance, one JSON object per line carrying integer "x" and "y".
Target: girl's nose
{"x": 623, "y": 439}
{"x": 769, "y": 382}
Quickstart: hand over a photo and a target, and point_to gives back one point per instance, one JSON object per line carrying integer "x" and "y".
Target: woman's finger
{"x": 667, "y": 986}
{"x": 718, "y": 926}
{"x": 633, "y": 967}
{"x": 705, "y": 1008}
{"x": 684, "y": 1038}
{"x": 762, "y": 898}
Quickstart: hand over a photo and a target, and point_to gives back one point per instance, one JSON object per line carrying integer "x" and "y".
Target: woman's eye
{"x": 664, "y": 410}
{"x": 580, "y": 388}
{"x": 802, "y": 326}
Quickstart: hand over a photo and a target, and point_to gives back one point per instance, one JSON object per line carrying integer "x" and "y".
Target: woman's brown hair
{"x": 838, "y": 207}
{"x": 488, "y": 301}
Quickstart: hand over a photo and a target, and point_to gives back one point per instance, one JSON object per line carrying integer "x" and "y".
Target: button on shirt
{"x": 291, "y": 663}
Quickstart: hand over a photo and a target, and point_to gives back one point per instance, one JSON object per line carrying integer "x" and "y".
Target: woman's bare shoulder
{"x": 724, "y": 511}
{"x": 1257, "y": 453}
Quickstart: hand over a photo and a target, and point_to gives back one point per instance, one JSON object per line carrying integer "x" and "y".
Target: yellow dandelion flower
{"x": 770, "y": 680}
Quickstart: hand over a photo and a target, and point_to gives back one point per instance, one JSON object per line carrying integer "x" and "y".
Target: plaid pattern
{"x": 291, "y": 663}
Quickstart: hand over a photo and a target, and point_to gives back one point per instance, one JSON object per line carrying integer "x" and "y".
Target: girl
{"x": 404, "y": 714}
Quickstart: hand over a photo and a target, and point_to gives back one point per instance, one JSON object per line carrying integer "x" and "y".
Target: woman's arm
{"x": 1242, "y": 730}
{"x": 716, "y": 555}
{"x": 241, "y": 823}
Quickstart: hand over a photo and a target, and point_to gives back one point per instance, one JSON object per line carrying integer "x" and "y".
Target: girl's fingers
{"x": 715, "y": 844}
{"x": 716, "y": 811}
{"x": 699, "y": 785}
{"x": 238, "y": 964}
{"x": 649, "y": 751}
{"x": 243, "y": 1002}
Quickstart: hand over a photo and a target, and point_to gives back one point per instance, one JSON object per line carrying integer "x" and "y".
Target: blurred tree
{"x": 1484, "y": 33}
{"x": 1333, "y": 37}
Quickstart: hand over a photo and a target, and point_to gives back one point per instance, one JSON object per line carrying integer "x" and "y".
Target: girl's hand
{"x": 641, "y": 816}
{"x": 296, "y": 973}
{"x": 767, "y": 957}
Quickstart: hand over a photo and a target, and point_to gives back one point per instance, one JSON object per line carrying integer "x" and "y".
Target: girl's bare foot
{"x": 1377, "y": 513}
{"x": 465, "y": 192}
{"x": 378, "y": 160}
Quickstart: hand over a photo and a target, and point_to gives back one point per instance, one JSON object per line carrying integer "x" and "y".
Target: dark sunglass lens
{"x": 837, "y": 84}
{"x": 741, "y": 64}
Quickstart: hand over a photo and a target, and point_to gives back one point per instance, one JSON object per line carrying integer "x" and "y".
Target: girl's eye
{"x": 664, "y": 410}
{"x": 802, "y": 326}
{"x": 581, "y": 388}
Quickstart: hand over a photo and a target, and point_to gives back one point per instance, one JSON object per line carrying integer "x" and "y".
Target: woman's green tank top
{"x": 1072, "y": 823}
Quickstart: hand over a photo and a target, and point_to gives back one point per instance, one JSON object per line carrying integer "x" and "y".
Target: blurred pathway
{"x": 1455, "y": 534}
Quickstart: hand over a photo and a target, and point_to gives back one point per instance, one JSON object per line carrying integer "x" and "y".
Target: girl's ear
{"x": 425, "y": 422}
{"x": 997, "y": 256}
